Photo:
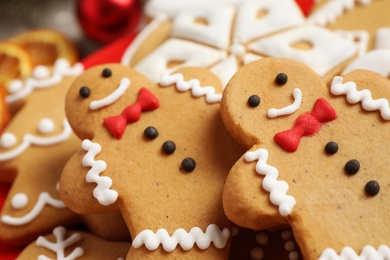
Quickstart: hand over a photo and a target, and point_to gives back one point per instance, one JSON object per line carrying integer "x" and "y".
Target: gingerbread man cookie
{"x": 315, "y": 157}
{"x": 34, "y": 148}
{"x": 158, "y": 153}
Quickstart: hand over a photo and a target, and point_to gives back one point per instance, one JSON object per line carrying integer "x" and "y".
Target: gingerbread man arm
{"x": 82, "y": 185}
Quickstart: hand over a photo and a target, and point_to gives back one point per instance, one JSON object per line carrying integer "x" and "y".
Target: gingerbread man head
{"x": 314, "y": 159}
{"x": 158, "y": 153}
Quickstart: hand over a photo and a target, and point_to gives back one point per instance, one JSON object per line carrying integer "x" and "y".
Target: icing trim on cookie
{"x": 41, "y": 79}
{"x": 277, "y": 188}
{"x": 368, "y": 253}
{"x": 185, "y": 239}
{"x": 29, "y": 140}
{"x": 60, "y": 245}
{"x": 330, "y": 12}
{"x": 102, "y": 191}
{"x": 375, "y": 60}
{"x": 113, "y": 97}
{"x": 43, "y": 200}
{"x": 194, "y": 85}
{"x": 364, "y": 96}
{"x": 290, "y": 109}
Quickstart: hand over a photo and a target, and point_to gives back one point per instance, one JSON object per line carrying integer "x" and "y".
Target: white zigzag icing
{"x": 185, "y": 239}
{"x": 193, "y": 84}
{"x": 330, "y": 11}
{"x": 347, "y": 253}
{"x": 102, "y": 192}
{"x": 60, "y": 245}
{"x": 364, "y": 96}
{"x": 277, "y": 188}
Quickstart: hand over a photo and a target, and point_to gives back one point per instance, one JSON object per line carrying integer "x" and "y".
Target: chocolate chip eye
{"x": 331, "y": 148}
{"x": 169, "y": 147}
{"x": 372, "y": 188}
{"x": 84, "y": 92}
{"x": 106, "y": 73}
{"x": 352, "y": 166}
{"x": 281, "y": 79}
{"x": 254, "y": 101}
{"x": 188, "y": 164}
{"x": 150, "y": 132}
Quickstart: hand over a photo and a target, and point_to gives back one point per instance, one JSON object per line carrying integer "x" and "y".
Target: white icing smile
{"x": 20, "y": 201}
{"x": 288, "y": 110}
{"x": 8, "y": 140}
{"x": 113, "y": 97}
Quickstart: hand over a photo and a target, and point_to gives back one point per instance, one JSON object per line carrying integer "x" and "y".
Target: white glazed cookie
{"x": 224, "y": 35}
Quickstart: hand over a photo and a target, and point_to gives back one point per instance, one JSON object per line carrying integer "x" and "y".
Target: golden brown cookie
{"x": 158, "y": 153}
{"x": 305, "y": 143}
{"x": 73, "y": 244}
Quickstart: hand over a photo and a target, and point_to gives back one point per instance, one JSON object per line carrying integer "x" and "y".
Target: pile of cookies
{"x": 227, "y": 130}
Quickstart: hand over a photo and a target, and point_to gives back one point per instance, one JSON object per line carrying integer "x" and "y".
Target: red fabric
{"x": 306, "y": 125}
{"x": 146, "y": 101}
{"x": 111, "y": 53}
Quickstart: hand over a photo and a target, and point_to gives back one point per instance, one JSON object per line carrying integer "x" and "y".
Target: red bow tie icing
{"x": 306, "y": 125}
{"x": 146, "y": 101}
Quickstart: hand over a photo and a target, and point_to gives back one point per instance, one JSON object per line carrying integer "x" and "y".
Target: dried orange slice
{"x": 46, "y": 46}
{"x": 15, "y": 62}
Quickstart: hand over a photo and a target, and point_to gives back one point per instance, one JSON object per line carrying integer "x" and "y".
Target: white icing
{"x": 375, "y": 60}
{"x": 45, "y": 126}
{"x": 190, "y": 53}
{"x": 183, "y": 238}
{"x": 41, "y": 72}
{"x": 337, "y": 48}
{"x": 330, "y": 12}
{"x": 193, "y": 85}
{"x": 359, "y": 37}
{"x": 217, "y": 31}
{"x": 290, "y": 109}
{"x": 286, "y": 234}
{"x": 8, "y": 139}
{"x": 102, "y": 192}
{"x": 277, "y": 188}
{"x": 382, "y": 38}
{"x": 60, "y": 245}
{"x": 43, "y": 200}
{"x": 293, "y": 255}
{"x": 289, "y": 245}
{"x": 230, "y": 25}
{"x": 368, "y": 253}
{"x": 113, "y": 97}
{"x": 20, "y": 89}
{"x": 354, "y": 96}
{"x": 19, "y": 201}
{"x": 29, "y": 140}
{"x": 249, "y": 27}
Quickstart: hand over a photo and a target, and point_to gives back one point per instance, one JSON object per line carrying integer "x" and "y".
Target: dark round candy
{"x": 352, "y": 166}
{"x": 372, "y": 188}
{"x": 169, "y": 147}
{"x": 150, "y": 132}
{"x": 281, "y": 79}
{"x": 254, "y": 101}
{"x": 188, "y": 164}
{"x": 106, "y": 73}
{"x": 84, "y": 92}
{"x": 331, "y": 148}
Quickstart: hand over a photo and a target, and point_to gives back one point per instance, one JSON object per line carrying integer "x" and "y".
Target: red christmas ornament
{"x": 306, "y": 6}
{"x": 107, "y": 20}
